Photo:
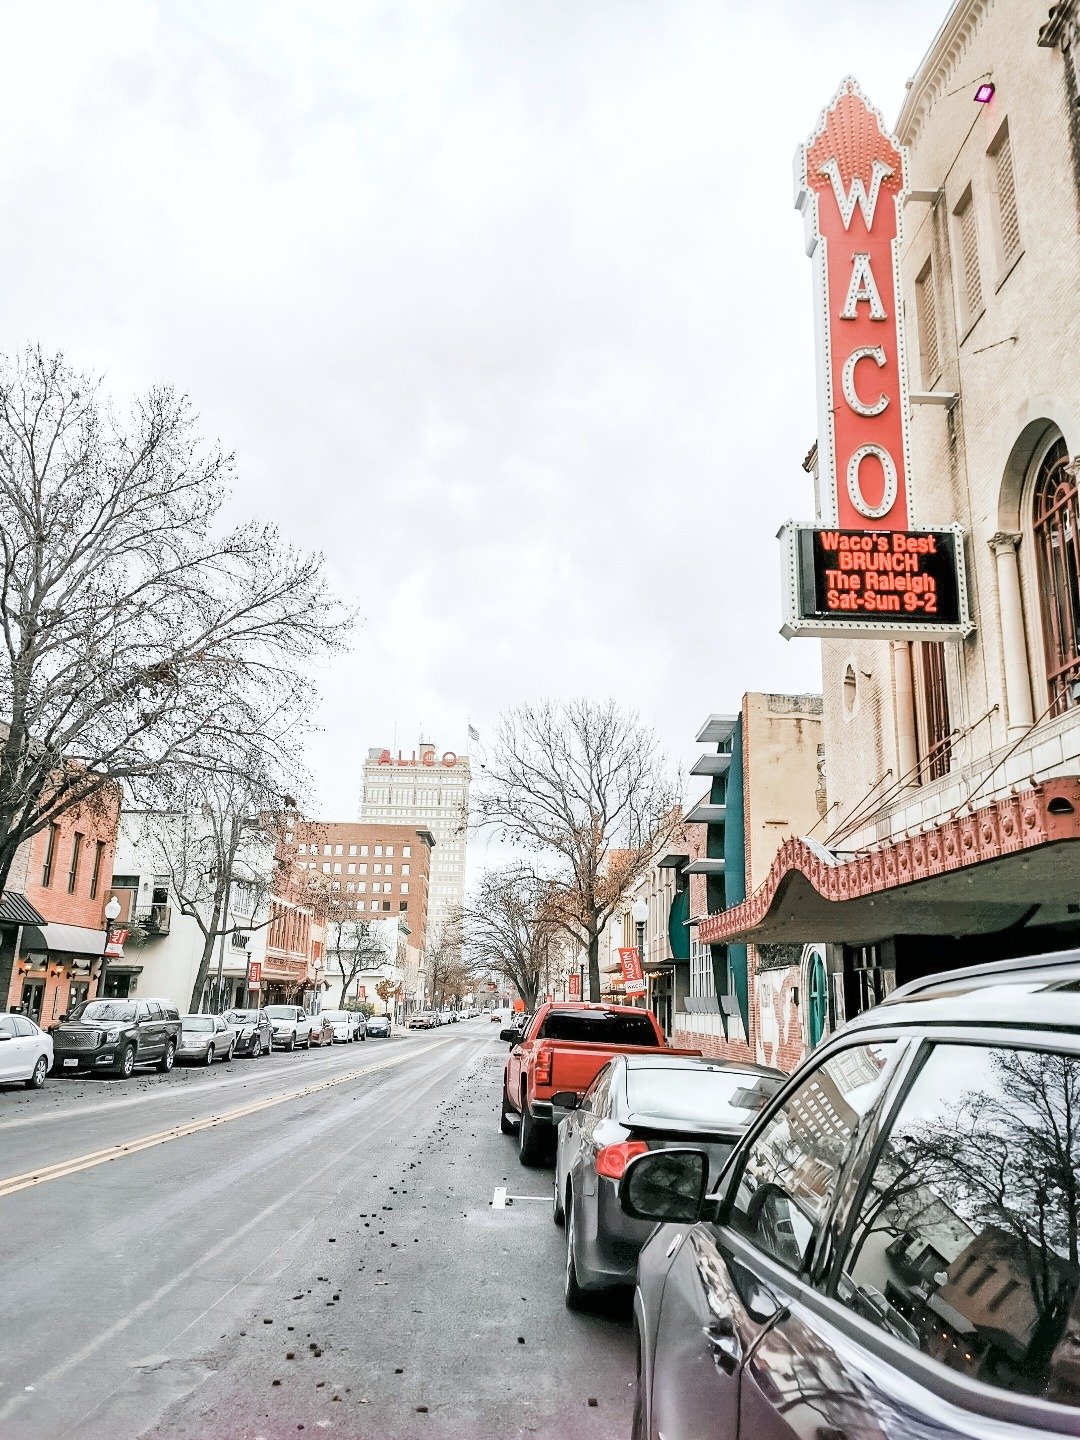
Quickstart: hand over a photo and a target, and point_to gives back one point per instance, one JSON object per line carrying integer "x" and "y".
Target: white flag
{"x": 474, "y": 735}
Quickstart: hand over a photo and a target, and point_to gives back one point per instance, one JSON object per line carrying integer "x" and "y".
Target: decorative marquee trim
{"x": 1021, "y": 821}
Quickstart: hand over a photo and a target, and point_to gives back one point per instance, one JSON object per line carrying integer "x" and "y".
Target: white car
{"x": 26, "y": 1052}
{"x": 348, "y": 1025}
{"x": 292, "y": 1026}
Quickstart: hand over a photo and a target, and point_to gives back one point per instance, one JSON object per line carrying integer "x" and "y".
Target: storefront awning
{"x": 15, "y": 909}
{"x": 977, "y": 873}
{"x": 64, "y": 940}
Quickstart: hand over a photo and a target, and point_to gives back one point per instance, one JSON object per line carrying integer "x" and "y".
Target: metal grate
{"x": 926, "y": 302}
{"x": 969, "y": 258}
{"x": 1008, "y": 218}
{"x": 1056, "y": 515}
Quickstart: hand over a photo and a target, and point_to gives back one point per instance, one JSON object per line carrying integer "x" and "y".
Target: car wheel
{"x": 209, "y": 1054}
{"x": 165, "y": 1064}
{"x": 256, "y": 1049}
{"x": 291, "y": 1046}
{"x": 572, "y": 1291}
{"x": 231, "y": 1051}
{"x": 532, "y": 1137}
{"x": 362, "y": 1036}
{"x": 127, "y": 1062}
{"x": 37, "y": 1076}
{"x": 558, "y": 1214}
{"x": 507, "y": 1117}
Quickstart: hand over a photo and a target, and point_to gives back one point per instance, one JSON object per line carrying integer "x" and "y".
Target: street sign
{"x": 633, "y": 975}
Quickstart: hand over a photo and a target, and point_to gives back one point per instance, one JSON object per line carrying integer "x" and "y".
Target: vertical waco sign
{"x": 869, "y": 572}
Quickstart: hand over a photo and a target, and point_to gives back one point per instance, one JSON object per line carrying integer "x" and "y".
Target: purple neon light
{"x": 985, "y": 93}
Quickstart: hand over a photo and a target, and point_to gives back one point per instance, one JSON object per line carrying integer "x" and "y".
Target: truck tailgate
{"x": 575, "y": 1067}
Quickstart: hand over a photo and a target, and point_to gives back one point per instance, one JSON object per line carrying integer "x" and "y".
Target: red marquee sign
{"x": 850, "y": 186}
{"x": 427, "y": 757}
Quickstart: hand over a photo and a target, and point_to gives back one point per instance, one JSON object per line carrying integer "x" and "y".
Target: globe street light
{"x": 112, "y": 912}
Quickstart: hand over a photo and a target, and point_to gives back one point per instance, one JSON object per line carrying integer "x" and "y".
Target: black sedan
{"x": 639, "y": 1103}
{"x": 891, "y": 1249}
{"x": 379, "y": 1026}
{"x": 253, "y": 1030}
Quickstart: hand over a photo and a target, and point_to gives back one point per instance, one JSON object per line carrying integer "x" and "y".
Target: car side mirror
{"x": 665, "y": 1185}
{"x": 509, "y": 1034}
{"x": 566, "y": 1099}
{"x": 62, "y": 1019}
{"x": 5, "y": 1036}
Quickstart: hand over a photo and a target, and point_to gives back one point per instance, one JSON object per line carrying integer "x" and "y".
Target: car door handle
{"x": 725, "y": 1344}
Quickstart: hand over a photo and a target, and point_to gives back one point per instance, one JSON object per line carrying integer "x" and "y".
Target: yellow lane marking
{"x": 15, "y": 1183}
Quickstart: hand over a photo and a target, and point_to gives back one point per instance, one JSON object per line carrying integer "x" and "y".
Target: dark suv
{"x": 111, "y": 1037}
{"x": 894, "y": 1247}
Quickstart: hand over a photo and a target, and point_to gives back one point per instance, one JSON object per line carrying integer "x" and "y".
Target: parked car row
{"x": 431, "y": 1019}
{"x": 881, "y": 1244}
{"x": 113, "y": 1036}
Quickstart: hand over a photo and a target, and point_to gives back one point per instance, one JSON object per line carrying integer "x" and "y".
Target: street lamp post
{"x": 640, "y": 912}
{"x": 112, "y": 912}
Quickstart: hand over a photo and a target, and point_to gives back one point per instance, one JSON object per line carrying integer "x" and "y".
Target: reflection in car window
{"x": 7, "y": 1025}
{"x": 103, "y": 1010}
{"x": 790, "y": 1173}
{"x": 198, "y": 1022}
{"x": 698, "y": 1094}
{"x": 967, "y": 1241}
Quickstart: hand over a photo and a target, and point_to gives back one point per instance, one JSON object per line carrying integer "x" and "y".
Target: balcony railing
{"x": 155, "y": 920}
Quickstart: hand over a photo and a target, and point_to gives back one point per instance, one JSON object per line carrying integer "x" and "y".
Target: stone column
{"x": 1019, "y": 715}
{"x": 907, "y": 753}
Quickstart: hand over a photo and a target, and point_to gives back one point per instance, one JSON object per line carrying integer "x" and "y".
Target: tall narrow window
{"x": 1056, "y": 520}
{"x": 970, "y": 276}
{"x": 926, "y": 308}
{"x": 931, "y": 710}
{"x": 1008, "y": 218}
{"x": 50, "y": 855}
{"x": 95, "y": 877}
{"x": 73, "y": 872}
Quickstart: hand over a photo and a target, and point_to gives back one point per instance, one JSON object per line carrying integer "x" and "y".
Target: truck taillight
{"x": 543, "y": 1068}
{"x": 612, "y": 1160}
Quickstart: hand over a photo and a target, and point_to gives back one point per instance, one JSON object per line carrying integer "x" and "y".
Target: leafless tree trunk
{"x": 138, "y": 640}
{"x": 584, "y": 786}
{"x": 509, "y": 927}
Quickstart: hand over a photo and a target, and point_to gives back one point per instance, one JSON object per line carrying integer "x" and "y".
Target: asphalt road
{"x": 297, "y": 1243}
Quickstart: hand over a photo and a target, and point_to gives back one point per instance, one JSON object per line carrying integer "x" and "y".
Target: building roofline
{"x": 937, "y": 66}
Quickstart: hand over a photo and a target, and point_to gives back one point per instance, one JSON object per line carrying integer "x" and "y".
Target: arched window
{"x": 1056, "y": 524}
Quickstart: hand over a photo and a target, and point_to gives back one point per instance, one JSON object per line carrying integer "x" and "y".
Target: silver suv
{"x": 291, "y": 1025}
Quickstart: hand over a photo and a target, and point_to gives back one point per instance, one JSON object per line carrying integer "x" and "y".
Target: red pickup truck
{"x": 563, "y": 1049}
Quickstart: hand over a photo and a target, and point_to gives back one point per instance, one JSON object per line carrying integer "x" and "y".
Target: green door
{"x": 817, "y": 1000}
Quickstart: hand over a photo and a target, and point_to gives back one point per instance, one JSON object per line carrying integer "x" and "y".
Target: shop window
{"x": 932, "y": 728}
{"x": 1055, "y": 520}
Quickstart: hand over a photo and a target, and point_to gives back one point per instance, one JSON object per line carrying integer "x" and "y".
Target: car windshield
{"x": 281, "y": 1012}
{"x": 103, "y": 1010}
{"x": 197, "y": 1022}
{"x": 243, "y": 1017}
{"x": 698, "y": 1094}
{"x": 598, "y": 1027}
{"x": 336, "y": 1017}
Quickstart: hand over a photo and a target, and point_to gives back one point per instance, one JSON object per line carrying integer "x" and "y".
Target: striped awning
{"x": 15, "y": 909}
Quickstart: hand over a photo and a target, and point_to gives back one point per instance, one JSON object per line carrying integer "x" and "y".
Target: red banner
{"x": 114, "y": 942}
{"x": 633, "y": 975}
{"x": 573, "y": 987}
{"x": 255, "y": 975}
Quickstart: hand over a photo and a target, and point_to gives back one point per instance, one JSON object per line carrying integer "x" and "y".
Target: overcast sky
{"x": 502, "y": 304}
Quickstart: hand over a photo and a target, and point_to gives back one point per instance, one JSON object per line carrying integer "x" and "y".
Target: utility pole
{"x": 223, "y": 921}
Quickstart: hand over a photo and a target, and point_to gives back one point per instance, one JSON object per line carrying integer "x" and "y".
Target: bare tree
{"x": 139, "y": 639}
{"x": 218, "y": 846}
{"x": 357, "y": 947}
{"x": 448, "y": 974}
{"x": 510, "y": 926}
{"x": 585, "y": 786}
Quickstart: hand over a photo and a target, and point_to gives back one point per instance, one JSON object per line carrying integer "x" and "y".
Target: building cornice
{"x": 939, "y": 68}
